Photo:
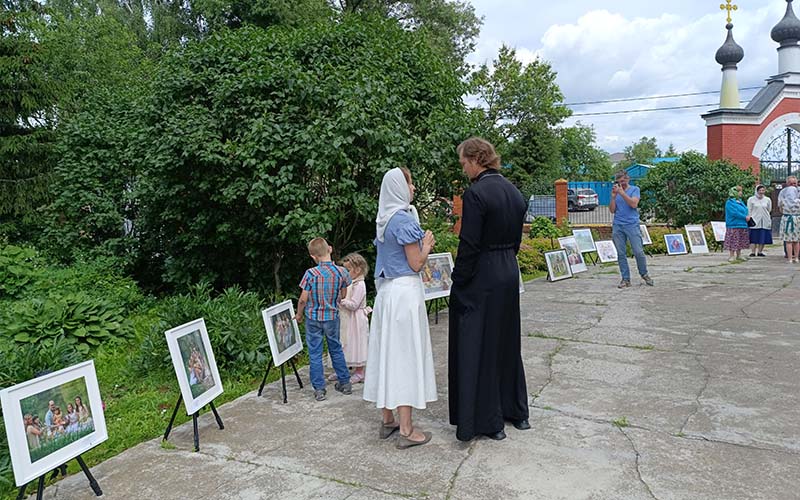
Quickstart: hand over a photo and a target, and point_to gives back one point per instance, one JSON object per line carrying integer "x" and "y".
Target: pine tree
{"x": 27, "y": 98}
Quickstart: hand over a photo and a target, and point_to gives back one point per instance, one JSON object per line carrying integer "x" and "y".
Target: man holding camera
{"x": 625, "y": 229}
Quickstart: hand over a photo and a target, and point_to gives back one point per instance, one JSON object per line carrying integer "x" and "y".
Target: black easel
{"x": 434, "y": 305}
{"x": 283, "y": 378}
{"x": 62, "y": 469}
{"x": 194, "y": 422}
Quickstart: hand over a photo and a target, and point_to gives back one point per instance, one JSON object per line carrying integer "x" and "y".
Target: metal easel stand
{"x": 62, "y": 469}
{"x": 433, "y": 305}
{"x": 283, "y": 379}
{"x": 194, "y": 422}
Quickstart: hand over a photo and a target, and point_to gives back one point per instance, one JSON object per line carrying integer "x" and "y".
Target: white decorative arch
{"x": 791, "y": 120}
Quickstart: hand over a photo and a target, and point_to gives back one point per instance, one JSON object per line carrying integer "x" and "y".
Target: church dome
{"x": 788, "y": 30}
{"x": 730, "y": 53}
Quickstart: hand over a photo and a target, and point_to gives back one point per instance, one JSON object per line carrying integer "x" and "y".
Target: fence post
{"x": 561, "y": 200}
{"x": 457, "y": 211}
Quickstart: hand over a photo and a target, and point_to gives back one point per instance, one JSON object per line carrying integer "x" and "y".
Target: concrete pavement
{"x": 687, "y": 390}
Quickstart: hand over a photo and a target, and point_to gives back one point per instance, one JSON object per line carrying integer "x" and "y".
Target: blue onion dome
{"x": 730, "y": 53}
{"x": 787, "y": 31}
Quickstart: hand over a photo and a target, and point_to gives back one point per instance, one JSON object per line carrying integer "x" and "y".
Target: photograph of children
{"x": 557, "y": 265}
{"x": 585, "y": 240}
{"x": 195, "y": 363}
{"x": 606, "y": 251}
{"x": 51, "y": 419}
{"x": 435, "y": 275}
{"x": 697, "y": 239}
{"x": 718, "y": 227}
{"x": 283, "y": 327}
{"x": 283, "y": 333}
{"x": 55, "y": 418}
{"x": 645, "y": 235}
{"x": 675, "y": 244}
{"x": 574, "y": 256}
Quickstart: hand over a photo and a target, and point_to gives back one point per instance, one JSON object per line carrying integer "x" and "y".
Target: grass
{"x": 621, "y": 422}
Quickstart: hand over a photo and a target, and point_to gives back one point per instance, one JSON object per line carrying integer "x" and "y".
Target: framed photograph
{"x": 585, "y": 240}
{"x": 574, "y": 256}
{"x": 719, "y": 230}
{"x": 282, "y": 331}
{"x": 675, "y": 244}
{"x": 52, "y": 419}
{"x": 645, "y": 235}
{"x": 557, "y": 265}
{"x": 606, "y": 251}
{"x": 436, "y": 275}
{"x": 697, "y": 238}
{"x": 195, "y": 366}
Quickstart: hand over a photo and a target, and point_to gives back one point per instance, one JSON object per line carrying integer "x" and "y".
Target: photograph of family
{"x": 283, "y": 333}
{"x": 195, "y": 363}
{"x": 435, "y": 275}
{"x": 283, "y": 326}
{"x": 55, "y": 418}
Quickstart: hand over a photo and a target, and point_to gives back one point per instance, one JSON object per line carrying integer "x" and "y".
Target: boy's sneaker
{"x": 344, "y": 388}
{"x": 647, "y": 280}
{"x": 319, "y": 394}
{"x": 624, "y": 284}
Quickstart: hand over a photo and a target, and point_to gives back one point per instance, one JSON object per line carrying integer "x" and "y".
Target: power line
{"x": 629, "y": 99}
{"x": 626, "y": 111}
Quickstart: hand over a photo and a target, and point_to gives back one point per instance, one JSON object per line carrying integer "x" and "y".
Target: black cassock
{"x": 485, "y": 373}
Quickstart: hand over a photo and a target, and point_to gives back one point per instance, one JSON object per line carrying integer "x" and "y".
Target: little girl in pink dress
{"x": 353, "y": 313}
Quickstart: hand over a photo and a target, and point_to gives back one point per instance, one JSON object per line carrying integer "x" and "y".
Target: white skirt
{"x": 400, "y": 361}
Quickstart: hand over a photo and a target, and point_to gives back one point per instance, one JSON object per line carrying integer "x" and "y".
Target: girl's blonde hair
{"x": 358, "y": 262}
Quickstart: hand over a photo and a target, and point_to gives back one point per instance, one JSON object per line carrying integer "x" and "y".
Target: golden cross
{"x": 729, "y": 7}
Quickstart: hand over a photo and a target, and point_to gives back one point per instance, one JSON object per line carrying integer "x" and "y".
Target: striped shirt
{"x": 324, "y": 284}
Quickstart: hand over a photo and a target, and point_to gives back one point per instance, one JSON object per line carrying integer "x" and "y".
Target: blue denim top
{"x": 391, "y": 261}
{"x": 624, "y": 213}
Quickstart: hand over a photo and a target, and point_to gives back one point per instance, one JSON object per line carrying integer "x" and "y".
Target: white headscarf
{"x": 395, "y": 196}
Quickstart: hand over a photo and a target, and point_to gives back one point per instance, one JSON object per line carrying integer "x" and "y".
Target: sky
{"x": 634, "y": 48}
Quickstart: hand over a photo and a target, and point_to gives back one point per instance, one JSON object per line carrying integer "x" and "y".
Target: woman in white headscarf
{"x": 400, "y": 373}
{"x": 759, "y": 207}
{"x": 789, "y": 203}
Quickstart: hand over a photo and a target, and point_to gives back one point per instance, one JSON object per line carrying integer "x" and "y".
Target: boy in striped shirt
{"x": 323, "y": 287}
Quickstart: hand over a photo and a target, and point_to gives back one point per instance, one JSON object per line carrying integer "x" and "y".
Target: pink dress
{"x": 354, "y": 326}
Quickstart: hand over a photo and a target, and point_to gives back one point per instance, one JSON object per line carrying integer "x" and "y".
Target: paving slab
{"x": 685, "y": 390}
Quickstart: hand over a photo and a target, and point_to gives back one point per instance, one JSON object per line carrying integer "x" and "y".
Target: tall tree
{"x": 580, "y": 158}
{"x": 641, "y": 151}
{"x": 28, "y": 99}
{"x": 518, "y": 107}
{"x": 451, "y": 25}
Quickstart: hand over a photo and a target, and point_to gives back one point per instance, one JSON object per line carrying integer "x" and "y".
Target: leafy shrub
{"x": 19, "y": 363}
{"x": 19, "y": 269}
{"x": 79, "y": 319}
{"x": 531, "y": 254}
{"x": 234, "y": 324}
{"x": 543, "y": 227}
{"x": 692, "y": 189}
{"x": 446, "y": 239}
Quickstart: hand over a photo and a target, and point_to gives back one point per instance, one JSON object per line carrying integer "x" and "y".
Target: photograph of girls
{"x": 194, "y": 363}
{"x": 282, "y": 332}
{"x": 574, "y": 256}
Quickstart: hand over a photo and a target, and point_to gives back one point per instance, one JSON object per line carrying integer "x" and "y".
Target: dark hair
{"x": 480, "y": 151}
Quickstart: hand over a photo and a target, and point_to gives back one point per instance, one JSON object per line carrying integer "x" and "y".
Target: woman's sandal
{"x": 403, "y": 442}
{"x": 386, "y": 430}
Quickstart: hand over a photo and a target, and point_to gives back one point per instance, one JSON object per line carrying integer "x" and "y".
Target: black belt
{"x": 496, "y": 248}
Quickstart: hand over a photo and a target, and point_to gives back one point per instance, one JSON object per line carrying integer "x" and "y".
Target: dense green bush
{"x": 234, "y": 324}
{"x": 19, "y": 269}
{"x": 692, "y": 190}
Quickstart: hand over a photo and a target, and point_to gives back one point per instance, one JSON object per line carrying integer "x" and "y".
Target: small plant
{"x": 621, "y": 422}
{"x": 19, "y": 269}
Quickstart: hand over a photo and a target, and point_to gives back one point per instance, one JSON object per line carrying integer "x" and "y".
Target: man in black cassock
{"x": 485, "y": 373}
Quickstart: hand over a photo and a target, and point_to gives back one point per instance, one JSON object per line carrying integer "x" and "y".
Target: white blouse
{"x": 759, "y": 211}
